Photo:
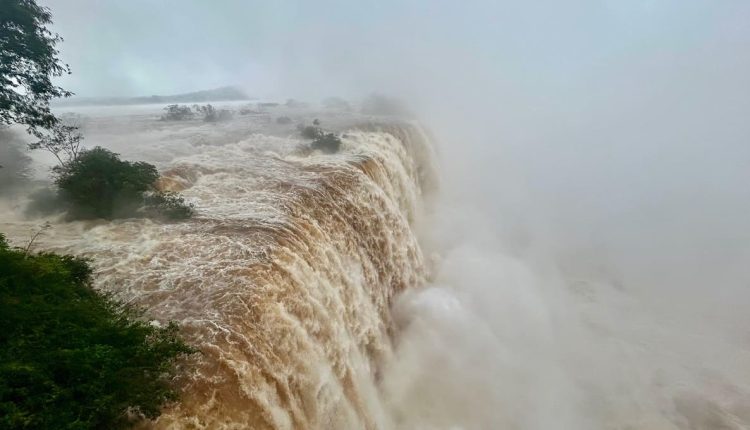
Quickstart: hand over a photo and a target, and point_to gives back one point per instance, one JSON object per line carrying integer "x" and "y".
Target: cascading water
{"x": 314, "y": 305}
{"x": 283, "y": 280}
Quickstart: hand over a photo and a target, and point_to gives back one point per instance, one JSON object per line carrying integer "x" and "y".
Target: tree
{"x": 168, "y": 204}
{"x": 211, "y": 114}
{"x": 177, "y": 113}
{"x": 28, "y": 62}
{"x": 311, "y": 131}
{"x": 327, "y": 142}
{"x": 100, "y": 185}
{"x": 61, "y": 140}
{"x": 97, "y": 184}
{"x": 73, "y": 358}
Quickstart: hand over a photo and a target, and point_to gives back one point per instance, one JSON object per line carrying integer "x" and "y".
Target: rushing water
{"x": 331, "y": 291}
{"x": 285, "y": 277}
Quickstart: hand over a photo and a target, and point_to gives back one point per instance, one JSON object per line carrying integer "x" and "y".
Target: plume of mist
{"x": 605, "y": 149}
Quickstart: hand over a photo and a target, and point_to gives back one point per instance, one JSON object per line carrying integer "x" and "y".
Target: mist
{"x": 14, "y": 172}
{"x": 593, "y": 112}
{"x": 589, "y": 244}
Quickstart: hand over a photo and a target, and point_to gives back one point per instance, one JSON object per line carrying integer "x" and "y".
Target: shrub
{"x": 100, "y": 185}
{"x": 328, "y": 143}
{"x": 168, "y": 205}
{"x": 211, "y": 114}
{"x": 177, "y": 113}
{"x": 283, "y": 120}
{"x": 71, "y": 357}
{"x": 311, "y": 132}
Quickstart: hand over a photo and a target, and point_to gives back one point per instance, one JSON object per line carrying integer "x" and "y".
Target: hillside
{"x": 218, "y": 94}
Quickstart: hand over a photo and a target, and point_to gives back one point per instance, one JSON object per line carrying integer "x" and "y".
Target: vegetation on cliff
{"x": 71, "y": 357}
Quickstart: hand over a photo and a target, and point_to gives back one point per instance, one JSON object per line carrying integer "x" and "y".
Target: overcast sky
{"x": 613, "y": 118}
{"x": 144, "y": 47}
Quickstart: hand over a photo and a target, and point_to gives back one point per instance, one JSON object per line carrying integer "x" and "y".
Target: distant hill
{"x": 215, "y": 95}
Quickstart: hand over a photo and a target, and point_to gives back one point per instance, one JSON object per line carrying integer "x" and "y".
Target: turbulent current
{"x": 285, "y": 277}
{"x": 335, "y": 292}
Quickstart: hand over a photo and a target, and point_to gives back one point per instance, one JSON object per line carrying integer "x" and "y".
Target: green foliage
{"x": 72, "y": 358}
{"x": 327, "y": 142}
{"x": 100, "y": 185}
{"x": 168, "y": 205}
{"x": 28, "y": 62}
{"x": 211, "y": 114}
{"x": 311, "y": 132}
{"x": 177, "y": 113}
{"x": 208, "y": 112}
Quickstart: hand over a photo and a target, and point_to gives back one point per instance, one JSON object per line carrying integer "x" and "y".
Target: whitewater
{"x": 341, "y": 291}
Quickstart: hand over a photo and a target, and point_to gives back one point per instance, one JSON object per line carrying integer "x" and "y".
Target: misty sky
{"x": 142, "y": 47}
{"x": 608, "y": 118}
